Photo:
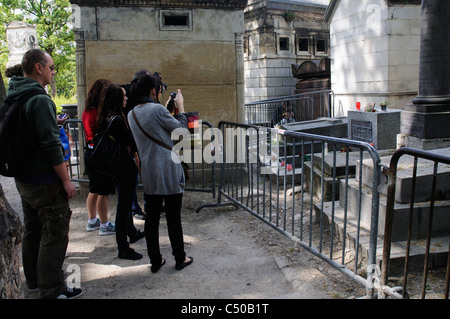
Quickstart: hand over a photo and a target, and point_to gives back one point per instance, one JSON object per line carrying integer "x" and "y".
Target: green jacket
{"x": 40, "y": 112}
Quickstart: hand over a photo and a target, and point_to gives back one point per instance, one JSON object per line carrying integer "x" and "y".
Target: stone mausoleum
{"x": 281, "y": 35}
{"x": 196, "y": 45}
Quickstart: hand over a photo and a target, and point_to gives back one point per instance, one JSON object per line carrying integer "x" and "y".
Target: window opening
{"x": 303, "y": 45}
{"x": 176, "y": 20}
{"x": 321, "y": 46}
{"x": 284, "y": 44}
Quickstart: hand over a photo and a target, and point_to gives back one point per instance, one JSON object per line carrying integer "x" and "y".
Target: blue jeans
{"x": 47, "y": 215}
{"x": 126, "y": 189}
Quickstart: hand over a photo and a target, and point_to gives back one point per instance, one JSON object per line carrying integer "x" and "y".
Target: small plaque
{"x": 361, "y": 131}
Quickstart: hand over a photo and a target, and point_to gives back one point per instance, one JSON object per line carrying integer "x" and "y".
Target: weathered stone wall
{"x": 198, "y": 58}
{"x": 268, "y": 63}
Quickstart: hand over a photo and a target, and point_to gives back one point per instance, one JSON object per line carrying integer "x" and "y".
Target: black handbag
{"x": 183, "y": 164}
{"x": 108, "y": 156}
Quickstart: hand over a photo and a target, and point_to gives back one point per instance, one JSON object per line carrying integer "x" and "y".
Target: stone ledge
{"x": 230, "y": 4}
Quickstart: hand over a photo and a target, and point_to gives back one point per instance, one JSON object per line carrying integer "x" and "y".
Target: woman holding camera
{"x": 162, "y": 178}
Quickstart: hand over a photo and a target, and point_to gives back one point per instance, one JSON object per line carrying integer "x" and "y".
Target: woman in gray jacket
{"x": 162, "y": 178}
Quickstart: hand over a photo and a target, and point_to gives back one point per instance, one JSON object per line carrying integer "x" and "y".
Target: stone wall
{"x": 375, "y": 52}
{"x": 198, "y": 56}
{"x": 271, "y": 42}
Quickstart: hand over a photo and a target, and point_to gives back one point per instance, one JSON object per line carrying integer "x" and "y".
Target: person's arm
{"x": 69, "y": 187}
{"x": 179, "y": 101}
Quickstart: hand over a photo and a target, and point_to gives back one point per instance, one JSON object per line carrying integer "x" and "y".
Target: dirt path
{"x": 236, "y": 256}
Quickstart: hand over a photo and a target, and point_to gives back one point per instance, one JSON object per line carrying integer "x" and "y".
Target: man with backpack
{"x": 45, "y": 187}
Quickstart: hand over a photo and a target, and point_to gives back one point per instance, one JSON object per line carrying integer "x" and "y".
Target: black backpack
{"x": 16, "y": 148}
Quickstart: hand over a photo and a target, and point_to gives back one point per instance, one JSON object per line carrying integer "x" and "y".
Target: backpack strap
{"x": 21, "y": 99}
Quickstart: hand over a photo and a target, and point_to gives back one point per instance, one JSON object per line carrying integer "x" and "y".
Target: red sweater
{"x": 89, "y": 119}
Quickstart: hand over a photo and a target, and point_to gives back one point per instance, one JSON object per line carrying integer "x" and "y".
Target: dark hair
{"x": 93, "y": 97}
{"x": 32, "y": 57}
{"x": 15, "y": 70}
{"x": 144, "y": 85}
{"x": 138, "y": 74}
{"x": 111, "y": 103}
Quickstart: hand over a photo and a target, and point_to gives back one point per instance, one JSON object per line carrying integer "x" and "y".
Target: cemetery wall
{"x": 374, "y": 50}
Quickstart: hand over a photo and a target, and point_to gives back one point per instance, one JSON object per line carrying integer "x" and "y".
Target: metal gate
{"x": 202, "y": 174}
{"x": 431, "y": 225}
{"x": 280, "y": 177}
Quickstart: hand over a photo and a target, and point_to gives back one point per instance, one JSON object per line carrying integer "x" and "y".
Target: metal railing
{"x": 292, "y": 108}
{"x": 280, "y": 177}
{"x": 426, "y": 228}
{"x": 202, "y": 174}
{"x": 75, "y": 132}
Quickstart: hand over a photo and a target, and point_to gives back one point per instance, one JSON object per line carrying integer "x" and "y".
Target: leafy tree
{"x": 55, "y": 36}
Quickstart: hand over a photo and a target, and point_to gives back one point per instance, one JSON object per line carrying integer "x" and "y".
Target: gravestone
{"x": 21, "y": 37}
{"x": 379, "y": 128}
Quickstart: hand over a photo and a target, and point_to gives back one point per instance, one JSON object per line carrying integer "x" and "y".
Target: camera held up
{"x": 171, "y": 104}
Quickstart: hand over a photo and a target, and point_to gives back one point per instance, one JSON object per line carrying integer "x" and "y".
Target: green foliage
{"x": 61, "y": 100}
{"x": 55, "y": 35}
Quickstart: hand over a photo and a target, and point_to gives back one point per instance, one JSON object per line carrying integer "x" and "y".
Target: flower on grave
{"x": 370, "y": 107}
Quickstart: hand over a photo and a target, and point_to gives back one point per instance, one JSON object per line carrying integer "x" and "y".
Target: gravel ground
{"x": 236, "y": 256}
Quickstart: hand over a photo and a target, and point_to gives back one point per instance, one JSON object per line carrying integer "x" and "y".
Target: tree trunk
{"x": 11, "y": 231}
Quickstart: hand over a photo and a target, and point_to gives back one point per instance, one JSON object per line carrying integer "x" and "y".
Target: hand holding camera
{"x": 176, "y": 102}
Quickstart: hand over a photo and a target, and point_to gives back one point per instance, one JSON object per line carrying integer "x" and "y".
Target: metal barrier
{"x": 435, "y": 195}
{"x": 293, "y": 108}
{"x": 202, "y": 174}
{"x": 265, "y": 172}
{"x": 75, "y": 163}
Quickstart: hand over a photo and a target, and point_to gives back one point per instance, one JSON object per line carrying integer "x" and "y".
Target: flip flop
{"x": 155, "y": 269}
{"x": 182, "y": 265}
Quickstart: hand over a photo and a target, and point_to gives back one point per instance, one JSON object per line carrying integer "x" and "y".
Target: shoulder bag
{"x": 183, "y": 164}
{"x": 107, "y": 157}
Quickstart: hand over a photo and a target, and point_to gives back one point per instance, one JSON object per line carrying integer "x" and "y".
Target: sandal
{"x": 155, "y": 269}
{"x": 182, "y": 265}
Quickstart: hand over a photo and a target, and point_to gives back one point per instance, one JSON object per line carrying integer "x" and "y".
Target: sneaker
{"x": 108, "y": 230}
{"x": 92, "y": 227}
{"x": 130, "y": 254}
{"x": 70, "y": 293}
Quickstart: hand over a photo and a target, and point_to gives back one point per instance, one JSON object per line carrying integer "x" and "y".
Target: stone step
{"x": 439, "y": 246}
{"x": 328, "y": 163}
{"x": 441, "y": 214}
{"x": 404, "y": 178}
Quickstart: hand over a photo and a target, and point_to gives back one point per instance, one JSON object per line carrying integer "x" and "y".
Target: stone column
{"x": 428, "y": 117}
{"x": 80, "y": 57}
{"x": 240, "y": 84}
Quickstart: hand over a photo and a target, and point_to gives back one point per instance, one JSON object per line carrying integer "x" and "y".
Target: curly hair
{"x": 93, "y": 97}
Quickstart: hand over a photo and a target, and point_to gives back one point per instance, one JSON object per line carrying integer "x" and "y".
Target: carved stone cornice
{"x": 213, "y": 4}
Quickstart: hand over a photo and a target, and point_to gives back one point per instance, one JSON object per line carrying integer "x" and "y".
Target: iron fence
{"x": 423, "y": 223}
{"x": 281, "y": 178}
{"x": 293, "y": 108}
{"x": 202, "y": 174}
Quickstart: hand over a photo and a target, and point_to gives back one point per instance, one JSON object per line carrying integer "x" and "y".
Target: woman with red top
{"x": 100, "y": 186}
